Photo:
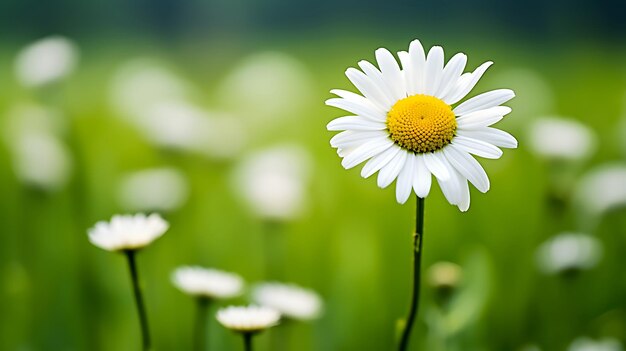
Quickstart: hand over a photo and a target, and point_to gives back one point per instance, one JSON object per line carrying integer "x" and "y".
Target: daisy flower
{"x": 408, "y": 123}
{"x": 568, "y": 252}
{"x": 207, "y": 282}
{"x": 248, "y": 319}
{"x": 290, "y": 300}
{"x": 127, "y": 232}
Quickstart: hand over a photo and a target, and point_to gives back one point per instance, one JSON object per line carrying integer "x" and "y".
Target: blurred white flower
{"x": 158, "y": 189}
{"x": 569, "y": 251}
{"x": 602, "y": 189}
{"x": 248, "y": 319}
{"x": 560, "y": 138}
{"x": 127, "y": 232}
{"x": 41, "y": 160}
{"x": 444, "y": 275}
{"x": 143, "y": 82}
{"x": 267, "y": 85}
{"x": 290, "y": 300}
{"x": 184, "y": 126}
{"x": 206, "y": 282}
{"x": 273, "y": 181}
{"x": 45, "y": 61}
{"x": 587, "y": 344}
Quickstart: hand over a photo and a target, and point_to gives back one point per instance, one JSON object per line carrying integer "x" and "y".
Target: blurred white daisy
{"x": 248, "y": 319}
{"x": 206, "y": 282}
{"x": 569, "y": 252}
{"x": 562, "y": 139}
{"x": 158, "y": 189}
{"x": 406, "y": 128}
{"x": 45, "y": 61}
{"x": 602, "y": 189}
{"x": 246, "y": 90}
{"x": 41, "y": 160}
{"x": 587, "y": 344}
{"x": 290, "y": 300}
{"x": 127, "y": 232}
{"x": 273, "y": 181}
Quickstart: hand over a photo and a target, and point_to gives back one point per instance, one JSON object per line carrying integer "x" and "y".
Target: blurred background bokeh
{"x": 211, "y": 113}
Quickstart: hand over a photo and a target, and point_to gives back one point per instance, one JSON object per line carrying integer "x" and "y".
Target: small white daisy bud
{"x": 602, "y": 189}
{"x": 207, "y": 283}
{"x": 587, "y": 344}
{"x": 569, "y": 252}
{"x": 248, "y": 319}
{"x": 290, "y": 300}
{"x": 45, "y": 61}
{"x": 127, "y": 232}
{"x": 561, "y": 139}
{"x": 158, "y": 189}
{"x": 273, "y": 182}
{"x": 444, "y": 275}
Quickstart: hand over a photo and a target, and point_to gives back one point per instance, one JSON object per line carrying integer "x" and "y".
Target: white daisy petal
{"x": 391, "y": 73}
{"x": 465, "y": 164}
{"x": 352, "y": 137}
{"x": 386, "y": 98}
{"x": 357, "y": 108}
{"x": 433, "y": 161}
{"x": 493, "y": 136}
{"x": 451, "y": 74}
{"x": 358, "y": 99}
{"x": 477, "y": 147}
{"x": 354, "y": 123}
{"x": 415, "y": 68}
{"x": 450, "y": 187}
{"x": 422, "y": 178}
{"x": 482, "y": 118}
{"x": 404, "y": 184}
{"x": 464, "y": 201}
{"x": 379, "y": 161}
{"x": 465, "y": 84}
{"x": 370, "y": 88}
{"x": 391, "y": 170}
{"x": 484, "y": 101}
{"x": 434, "y": 69}
{"x": 366, "y": 151}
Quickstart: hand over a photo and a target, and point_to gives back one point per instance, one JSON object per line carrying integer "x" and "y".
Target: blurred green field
{"x": 353, "y": 242}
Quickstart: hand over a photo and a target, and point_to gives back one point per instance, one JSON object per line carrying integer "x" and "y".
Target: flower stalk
{"x": 247, "y": 341}
{"x": 418, "y": 239}
{"x": 141, "y": 309}
{"x": 200, "y": 328}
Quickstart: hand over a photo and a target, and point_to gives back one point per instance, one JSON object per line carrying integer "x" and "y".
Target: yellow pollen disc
{"x": 421, "y": 123}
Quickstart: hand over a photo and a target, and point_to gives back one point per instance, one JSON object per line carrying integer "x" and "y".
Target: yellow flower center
{"x": 421, "y": 123}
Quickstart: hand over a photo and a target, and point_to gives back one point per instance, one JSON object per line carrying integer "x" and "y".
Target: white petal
{"x": 434, "y": 68}
{"x": 494, "y": 136}
{"x": 367, "y": 86}
{"x": 366, "y": 151}
{"x": 354, "y": 123}
{"x": 465, "y": 84}
{"x": 351, "y": 137}
{"x": 433, "y": 161}
{"x": 465, "y": 164}
{"x": 422, "y": 178}
{"x": 391, "y": 73}
{"x": 387, "y": 99}
{"x": 391, "y": 170}
{"x": 484, "y": 101}
{"x": 482, "y": 118}
{"x": 464, "y": 201}
{"x": 357, "y": 108}
{"x": 414, "y": 68}
{"x": 358, "y": 99}
{"x": 379, "y": 161}
{"x": 451, "y": 74}
{"x": 477, "y": 147}
{"x": 450, "y": 187}
{"x": 404, "y": 184}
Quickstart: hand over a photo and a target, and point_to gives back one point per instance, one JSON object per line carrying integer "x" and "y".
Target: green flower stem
{"x": 200, "y": 327}
{"x": 418, "y": 238}
{"x": 247, "y": 341}
{"x": 141, "y": 309}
